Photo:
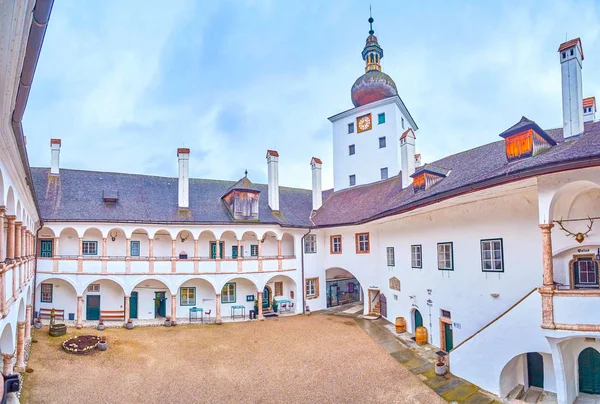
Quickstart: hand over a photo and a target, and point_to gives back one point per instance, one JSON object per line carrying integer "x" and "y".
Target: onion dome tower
{"x": 374, "y": 85}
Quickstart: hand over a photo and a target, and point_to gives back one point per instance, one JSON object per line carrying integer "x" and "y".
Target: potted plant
{"x": 102, "y": 344}
{"x": 167, "y": 322}
{"x": 129, "y": 324}
{"x": 37, "y": 323}
{"x": 440, "y": 367}
{"x": 100, "y": 325}
{"x": 255, "y": 308}
{"x": 275, "y": 305}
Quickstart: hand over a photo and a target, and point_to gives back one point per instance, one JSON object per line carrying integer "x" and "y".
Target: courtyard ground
{"x": 298, "y": 359}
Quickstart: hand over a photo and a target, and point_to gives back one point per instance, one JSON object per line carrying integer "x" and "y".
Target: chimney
{"x": 407, "y": 154}
{"x": 571, "y": 57}
{"x": 55, "y": 159}
{"x": 589, "y": 109}
{"x": 317, "y": 191}
{"x": 183, "y": 155}
{"x": 273, "y": 168}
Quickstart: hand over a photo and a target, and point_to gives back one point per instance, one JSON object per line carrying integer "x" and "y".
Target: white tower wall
{"x": 572, "y": 90}
{"x": 407, "y": 150}
{"x": 273, "y": 175}
{"x": 183, "y": 156}
{"x": 55, "y": 156}
{"x": 317, "y": 188}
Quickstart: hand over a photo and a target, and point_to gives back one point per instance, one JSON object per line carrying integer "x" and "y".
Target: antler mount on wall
{"x": 580, "y": 236}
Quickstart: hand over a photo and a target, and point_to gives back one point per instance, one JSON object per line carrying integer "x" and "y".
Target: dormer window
{"x": 428, "y": 176}
{"x": 110, "y": 196}
{"x": 242, "y": 200}
{"x": 525, "y": 139}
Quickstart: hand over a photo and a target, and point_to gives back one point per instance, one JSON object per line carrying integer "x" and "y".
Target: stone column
{"x": 173, "y": 253}
{"x": 218, "y": 249}
{"x": 80, "y": 251}
{"x": 279, "y": 249}
{"x": 240, "y": 252}
{"x": 18, "y": 239}
{"x": 7, "y": 359}
{"x": 2, "y": 241}
{"x": 173, "y": 307}
{"x": 218, "y": 309}
{"x": 28, "y": 320}
{"x": 547, "y": 289}
{"x": 127, "y": 308}
{"x": 195, "y": 249}
{"x": 104, "y": 240}
{"x": 80, "y": 256}
{"x": 10, "y": 238}
{"x": 24, "y": 249}
{"x": 260, "y": 308}
{"x": 151, "y": 255}
{"x": 3, "y": 306}
{"x": 14, "y": 285}
{"x": 20, "y": 365}
{"x": 128, "y": 248}
{"x": 260, "y": 262}
{"x": 79, "y": 322}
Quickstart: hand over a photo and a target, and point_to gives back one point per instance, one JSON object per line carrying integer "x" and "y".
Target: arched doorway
{"x": 535, "y": 369}
{"x": 417, "y": 319}
{"x": 589, "y": 371}
{"x": 266, "y": 298}
{"x": 342, "y": 287}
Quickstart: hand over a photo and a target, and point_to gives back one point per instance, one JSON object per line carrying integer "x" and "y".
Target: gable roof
{"x": 569, "y": 44}
{"x": 433, "y": 169}
{"x": 526, "y": 124}
{"x": 76, "y": 195}
{"x": 589, "y": 102}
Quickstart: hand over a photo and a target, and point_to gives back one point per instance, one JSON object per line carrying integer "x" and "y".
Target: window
{"x": 402, "y": 120}
{"x": 352, "y": 180}
{"x": 586, "y": 273}
{"x": 351, "y": 150}
{"x": 381, "y": 118}
{"x": 492, "y": 256}
{"x": 46, "y": 296}
{"x": 134, "y": 249}
{"x": 312, "y": 288}
{"x": 89, "y": 247}
{"x": 416, "y": 256}
{"x": 564, "y": 55}
{"x": 362, "y": 243}
{"x": 382, "y": 142}
{"x": 391, "y": 259}
{"x": 45, "y": 248}
{"x": 571, "y": 52}
{"x": 278, "y": 289}
{"x": 94, "y": 287}
{"x": 228, "y": 293}
{"x": 445, "y": 313}
{"x": 254, "y": 250}
{"x": 335, "y": 246}
{"x": 445, "y": 257}
{"x": 310, "y": 244}
{"x": 234, "y": 251}
{"x": 351, "y": 127}
{"x": 384, "y": 173}
{"x": 187, "y": 296}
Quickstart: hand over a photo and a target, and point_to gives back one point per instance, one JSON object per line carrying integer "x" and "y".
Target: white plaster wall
{"x": 91, "y": 235}
{"x": 146, "y": 290}
{"x": 111, "y": 296}
{"x": 139, "y": 267}
{"x": 205, "y": 298}
{"x": 115, "y": 266}
{"x": 162, "y": 267}
{"x": 162, "y": 246}
{"x": 243, "y": 288}
{"x": 369, "y": 158}
{"x": 64, "y": 297}
{"x": 576, "y": 309}
{"x": 144, "y": 245}
{"x": 92, "y": 266}
{"x": 68, "y": 243}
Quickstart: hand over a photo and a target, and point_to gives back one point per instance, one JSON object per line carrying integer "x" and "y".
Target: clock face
{"x": 364, "y": 123}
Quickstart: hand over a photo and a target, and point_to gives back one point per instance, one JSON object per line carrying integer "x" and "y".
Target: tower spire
{"x": 372, "y": 53}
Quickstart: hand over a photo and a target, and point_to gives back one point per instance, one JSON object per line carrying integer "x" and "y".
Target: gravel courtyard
{"x": 297, "y": 359}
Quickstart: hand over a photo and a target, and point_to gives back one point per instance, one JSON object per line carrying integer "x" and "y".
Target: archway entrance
{"x": 266, "y": 298}
{"x": 589, "y": 371}
{"x": 342, "y": 287}
{"x": 535, "y": 369}
{"x": 418, "y": 319}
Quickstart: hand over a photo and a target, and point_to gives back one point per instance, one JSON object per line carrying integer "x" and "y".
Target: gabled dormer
{"x": 242, "y": 200}
{"x": 525, "y": 139}
{"x": 427, "y": 176}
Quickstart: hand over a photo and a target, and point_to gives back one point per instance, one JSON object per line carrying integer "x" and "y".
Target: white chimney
{"x": 407, "y": 155}
{"x": 183, "y": 155}
{"x": 317, "y": 191}
{"x": 589, "y": 109}
{"x": 273, "y": 168}
{"x": 55, "y": 156}
{"x": 571, "y": 57}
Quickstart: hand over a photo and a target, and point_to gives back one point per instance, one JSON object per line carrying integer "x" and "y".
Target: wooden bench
{"x": 45, "y": 313}
{"x": 112, "y": 315}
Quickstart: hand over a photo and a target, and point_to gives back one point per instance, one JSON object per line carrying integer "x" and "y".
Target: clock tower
{"x": 366, "y": 138}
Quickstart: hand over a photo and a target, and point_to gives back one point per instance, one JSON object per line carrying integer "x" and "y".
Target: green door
{"x": 213, "y": 249}
{"x": 266, "y": 302}
{"x": 589, "y": 371}
{"x": 418, "y": 319}
{"x": 160, "y": 304}
{"x": 46, "y": 248}
{"x": 92, "y": 307}
{"x": 448, "y": 338}
{"x": 133, "y": 305}
{"x": 535, "y": 369}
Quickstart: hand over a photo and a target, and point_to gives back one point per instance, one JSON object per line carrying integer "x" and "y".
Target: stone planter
{"x": 37, "y": 325}
{"x": 100, "y": 327}
{"x": 167, "y": 323}
{"x": 441, "y": 369}
{"x": 129, "y": 325}
{"x": 102, "y": 346}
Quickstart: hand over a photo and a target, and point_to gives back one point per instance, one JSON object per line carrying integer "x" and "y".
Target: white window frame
{"x": 94, "y": 288}
{"x": 491, "y": 259}
{"x": 187, "y": 301}
{"x": 391, "y": 257}
{"x": 416, "y": 256}
{"x": 310, "y": 244}
{"x": 445, "y": 253}
{"x": 311, "y": 287}
{"x": 85, "y": 247}
{"x": 228, "y": 293}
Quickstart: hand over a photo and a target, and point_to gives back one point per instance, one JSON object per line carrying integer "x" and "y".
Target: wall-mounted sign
{"x": 456, "y": 325}
{"x": 395, "y": 284}
{"x": 582, "y": 250}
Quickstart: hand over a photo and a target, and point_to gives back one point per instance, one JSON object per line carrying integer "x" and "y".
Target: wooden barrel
{"x": 400, "y": 324}
{"x": 421, "y": 335}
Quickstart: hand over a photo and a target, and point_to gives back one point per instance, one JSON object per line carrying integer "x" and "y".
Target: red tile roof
{"x": 570, "y": 44}
{"x": 406, "y": 133}
{"x": 589, "y": 102}
{"x": 183, "y": 150}
{"x": 316, "y": 160}
{"x": 55, "y": 141}
{"x": 272, "y": 153}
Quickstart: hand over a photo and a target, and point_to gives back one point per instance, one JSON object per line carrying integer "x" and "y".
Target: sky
{"x": 124, "y": 84}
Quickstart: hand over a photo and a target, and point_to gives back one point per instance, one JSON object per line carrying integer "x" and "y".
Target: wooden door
{"x": 589, "y": 371}
{"x": 448, "y": 337}
{"x": 266, "y": 300}
{"x": 535, "y": 369}
{"x": 383, "y": 305}
{"x": 92, "y": 310}
{"x": 133, "y": 305}
{"x": 160, "y": 304}
{"x": 418, "y": 319}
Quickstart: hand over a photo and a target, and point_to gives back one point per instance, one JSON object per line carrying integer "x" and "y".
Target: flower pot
{"x": 167, "y": 323}
{"x": 441, "y": 369}
{"x": 129, "y": 325}
{"x": 102, "y": 345}
{"x": 37, "y": 325}
{"x": 100, "y": 327}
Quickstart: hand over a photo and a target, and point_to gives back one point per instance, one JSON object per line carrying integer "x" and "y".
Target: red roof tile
{"x": 183, "y": 150}
{"x": 316, "y": 160}
{"x": 570, "y": 44}
{"x": 406, "y": 133}
{"x": 272, "y": 153}
{"x": 55, "y": 141}
{"x": 589, "y": 102}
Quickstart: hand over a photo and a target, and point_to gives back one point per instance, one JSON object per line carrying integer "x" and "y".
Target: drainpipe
{"x": 35, "y": 255}
{"x": 303, "y": 282}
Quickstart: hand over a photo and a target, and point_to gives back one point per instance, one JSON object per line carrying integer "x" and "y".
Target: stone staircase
{"x": 531, "y": 395}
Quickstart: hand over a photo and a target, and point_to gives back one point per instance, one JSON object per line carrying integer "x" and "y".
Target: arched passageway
{"x": 342, "y": 287}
